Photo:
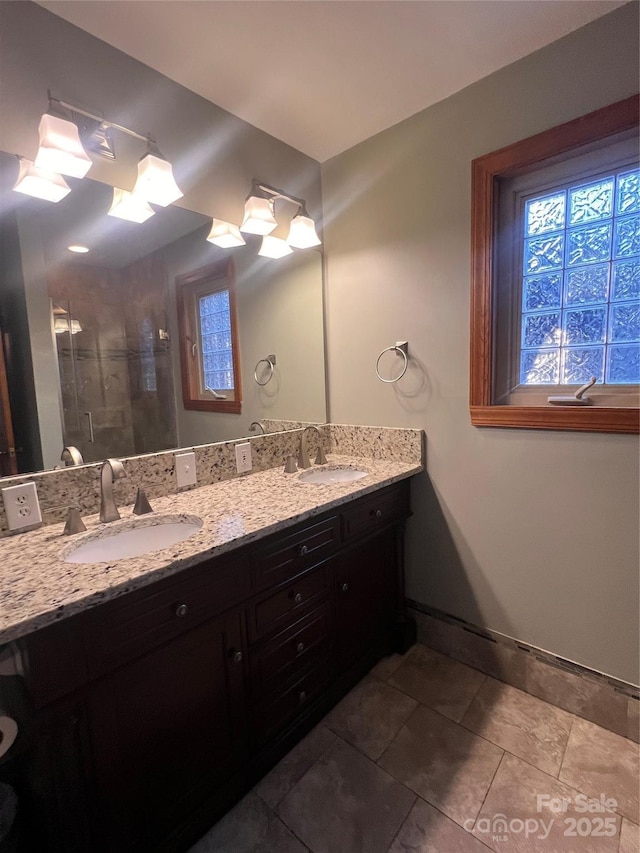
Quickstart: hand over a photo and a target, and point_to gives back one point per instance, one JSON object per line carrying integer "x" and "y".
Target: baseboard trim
{"x": 609, "y": 702}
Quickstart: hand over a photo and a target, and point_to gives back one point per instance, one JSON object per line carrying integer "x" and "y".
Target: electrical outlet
{"x": 243, "y": 457}
{"x": 186, "y": 469}
{"x": 22, "y": 507}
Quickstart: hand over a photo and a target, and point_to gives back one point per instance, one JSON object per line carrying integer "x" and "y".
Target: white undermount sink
{"x": 139, "y": 537}
{"x": 332, "y": 474}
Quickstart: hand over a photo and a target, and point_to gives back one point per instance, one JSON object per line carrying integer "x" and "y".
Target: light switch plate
{"x": 243, "y": 457}
{"x": 22, "y": 506}
{"x": 186, "y": 469}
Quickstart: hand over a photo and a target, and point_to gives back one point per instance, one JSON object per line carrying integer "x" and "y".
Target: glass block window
{"x": 580, "y": 295}
{"x": 209, "y": 340}
{"x": 214, "y": 315}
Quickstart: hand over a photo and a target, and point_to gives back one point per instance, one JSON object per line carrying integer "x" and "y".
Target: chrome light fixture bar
{"x": 55, "y": 104}
{"x": 62, "y": 152}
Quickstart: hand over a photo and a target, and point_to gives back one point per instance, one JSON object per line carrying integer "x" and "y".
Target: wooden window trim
{"x": 486, "y": 172}
{"x": 186, "y": 286}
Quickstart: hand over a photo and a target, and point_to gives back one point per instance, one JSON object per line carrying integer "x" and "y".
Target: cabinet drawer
{"x": 279, "y": 660}
{"x": 291, "y": 555}
{"x": 375, "y": 511}
{"x": 128, "y": 627}
{"x": 273, "y": 715}
{"x": 290, "y": 602}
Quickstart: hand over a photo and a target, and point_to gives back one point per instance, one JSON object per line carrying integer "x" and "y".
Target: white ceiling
{"x": 322, "y": 75}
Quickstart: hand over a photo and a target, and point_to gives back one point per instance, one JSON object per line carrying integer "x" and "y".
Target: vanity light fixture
{"x": 274, "y": 247}
{"x": 225, "y": 234}
{"x": 62, "y": 325}
{"x": 129, "y": 206}
{"x": 60, "y": 149}
{"x": 155, "y": 182}
{"x": 258, "y": 215}
{"x": 302, "y": 231}
{"x": 66, "y": 131}
{"x": 39, "y": 183}
{"x": 260, "y": 218}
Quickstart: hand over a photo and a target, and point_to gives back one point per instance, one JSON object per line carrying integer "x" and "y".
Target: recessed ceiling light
{"x": 80, "y": 250}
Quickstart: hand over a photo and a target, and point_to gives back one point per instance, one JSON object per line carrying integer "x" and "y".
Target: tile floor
{"x": 428, "y": 755}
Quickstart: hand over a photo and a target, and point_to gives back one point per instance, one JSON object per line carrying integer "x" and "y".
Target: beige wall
{"x": 531, "y": 533}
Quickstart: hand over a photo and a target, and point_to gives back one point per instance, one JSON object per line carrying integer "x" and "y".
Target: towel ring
{"x": 402, "y": 348}
{"x": 270, "y": 360}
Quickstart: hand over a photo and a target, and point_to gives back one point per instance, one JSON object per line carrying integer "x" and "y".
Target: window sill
{"x": 581, "y": 419}
{"x": 233, "y": 407}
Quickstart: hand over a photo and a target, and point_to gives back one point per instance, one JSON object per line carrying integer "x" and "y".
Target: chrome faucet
{"x": 71, "y": 456}
{"x": 112, "y": 469}
{"x": 258, "y": 426}
{"x": 303, "y": 455}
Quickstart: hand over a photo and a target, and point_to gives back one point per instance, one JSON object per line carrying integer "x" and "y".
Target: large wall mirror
{"x": 91, "y": 353}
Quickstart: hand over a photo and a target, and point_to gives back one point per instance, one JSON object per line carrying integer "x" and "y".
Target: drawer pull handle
{"x": 302, "y": 697}
{"x": 181, "y": 610}
{"x": 377, "y": 513}
{"x": 235, "y": 655}
{"x": 303, "y": 550}
{"x": 300, "y": 648}
{"x": 345, "y": 587}
{"x": 298, "y": 598}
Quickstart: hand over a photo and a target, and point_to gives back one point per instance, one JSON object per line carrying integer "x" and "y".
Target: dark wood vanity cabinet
{"x": 172, "y": 700}
{"x": 364, "y": 585}
{"x": 166, "y": 730}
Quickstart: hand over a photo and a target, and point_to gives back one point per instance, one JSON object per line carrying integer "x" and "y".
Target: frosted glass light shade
{"x": 225, "y": 235}
{"x": 274, "y": 247}
{"x": 60, "y": 148}
{"x": 40, "y": 183}
{"x": 302, "y": 232}
{"x": 129, "y": 206}
{"x": 258, "y": 216}
{"x": 155, "y": 181}
{"x": 62, "y": 325}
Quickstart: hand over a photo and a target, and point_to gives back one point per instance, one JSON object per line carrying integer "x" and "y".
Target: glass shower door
{"x": 93, "y": 360}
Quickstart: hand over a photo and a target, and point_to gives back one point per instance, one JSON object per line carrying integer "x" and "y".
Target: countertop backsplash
{"x": 62, "y": 488}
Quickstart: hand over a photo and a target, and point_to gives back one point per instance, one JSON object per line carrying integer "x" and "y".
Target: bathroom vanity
{"x": 152, "y": 712}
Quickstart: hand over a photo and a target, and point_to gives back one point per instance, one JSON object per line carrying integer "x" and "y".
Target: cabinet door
{"x": 364, "y": 596}
{"x": 167, "y": 730}
{"x": 50, "y": 780}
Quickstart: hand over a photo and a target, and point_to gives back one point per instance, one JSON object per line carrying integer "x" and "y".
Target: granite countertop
{"x": 39, "y": 588}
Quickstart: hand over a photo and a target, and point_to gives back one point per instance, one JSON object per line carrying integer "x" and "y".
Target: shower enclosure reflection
{"x": 115, "y": 378}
